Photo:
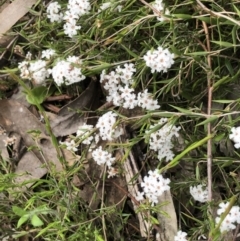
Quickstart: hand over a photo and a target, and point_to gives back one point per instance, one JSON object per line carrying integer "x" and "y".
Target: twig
{"x": 58, "y": 97}
{"x": 218, "y": 14}
{"x": 53, "y": 108}
{"x": 209, "y": 110}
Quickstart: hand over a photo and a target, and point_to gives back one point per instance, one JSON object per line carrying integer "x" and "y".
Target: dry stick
{"x": 209, "y": 128}
{"x": 209, "y": 109}
{"x": 58, "y": 97}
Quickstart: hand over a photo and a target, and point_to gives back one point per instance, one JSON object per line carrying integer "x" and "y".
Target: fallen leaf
{"x": 17, "y": 118}
{"x": 68, "y": 120}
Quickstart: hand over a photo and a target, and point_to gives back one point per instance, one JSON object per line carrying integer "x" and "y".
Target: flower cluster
{"x": 159, "y": 60}
{"x": 86, "y": 134}
{"x": 199, "y": 193}
{"x": 117, "y": 83}
{"x": 68, "y": 71}
{"x": 75, "y": 9}
{"x": 159, "y": 6}
{"x": 102, "y": 157}
{"x": 54, "y": 12}
{"x": 235, "y": 136}
{"x": 181, "y": 236}
{"x": 153, "y": 186}
{"x": 233, "y": 217}
{"x": 35, "y": 71}
{"x": 64, "y": 72}
{"x": 160, "y": 140}
{"x": 105, "y": 124}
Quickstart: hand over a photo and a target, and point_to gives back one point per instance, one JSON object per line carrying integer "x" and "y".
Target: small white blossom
{"x": 159, "y": 60}
{"x": 181, "y": 236}
{"x": 235, "y": 136}
{"x": 70, "y": 145}
{"x": 140, "y": 196}
{"x": 159, "y": 6}
{"x": 102, "y": 157}
{"x": 161, "y": 140}
{"x": 199, "y": 193}
{"x": 54, "y": 12}
{"x": 112, "y": 172}
{"x": 48, "y": 53}
{"x": 106, "y": 128}
{"x": 154, "y": 185}
{"x": 65, "y": 73}
{"x": 232, "y": 218}
{"x": 35, "y": 71}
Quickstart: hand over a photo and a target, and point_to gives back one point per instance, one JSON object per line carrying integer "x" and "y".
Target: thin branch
{"x": 217, "y": 14}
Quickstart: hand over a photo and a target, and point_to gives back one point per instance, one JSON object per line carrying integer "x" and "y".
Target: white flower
{"x": 53, "y": 12}
{"x": 160, "y": 140}
{"x": 154, "y": 185}
{"x": 112, "y": 172}
{"x": 48, "y": 53}
{"x": 70, "y": 28}
{"x": 70, "y": 145}
{"x": 140, "y": 196}
{"x": 35, "y": 71}
{"x": 181, "y": 236}
{"x": 199, "y": 193}
{"x": 159, "y": 60}
{"x": 146, "y": 101}
{"x": 222, "y": 208}
{"x": 79, "y": 7}
{"x": 159, "y": 6}
{"x": 65, "y": 72}
{"x": 102, "y": 157}
{"x": 235, "y": 136}
{"x": 233, "y": 217}
{"x": 105, "y": 125}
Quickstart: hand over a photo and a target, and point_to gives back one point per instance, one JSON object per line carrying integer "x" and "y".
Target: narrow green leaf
{"x": 223, "y": 101}
{"x": 154, "y": 220}
{"x": 199, "y": 53}
{"x": 22, "y": 220}
{"x": 185, "y": 111}
{"x": 18, "y": 211}
{"x": 177, "y": 158}
{"x": 36, "y": 221}
{"x": 223, "y": 80}
{"x": 219, "y": 137}
{"x": 210, "y": 119}
{"x": 223, "y": 44}
{"x": 130, "y": 52}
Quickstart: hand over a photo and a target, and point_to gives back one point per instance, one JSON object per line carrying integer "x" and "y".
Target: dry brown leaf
{"x": 68, "y": 121}
{"x": 15, "y": 117}
{"x": 29, "y": 168}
